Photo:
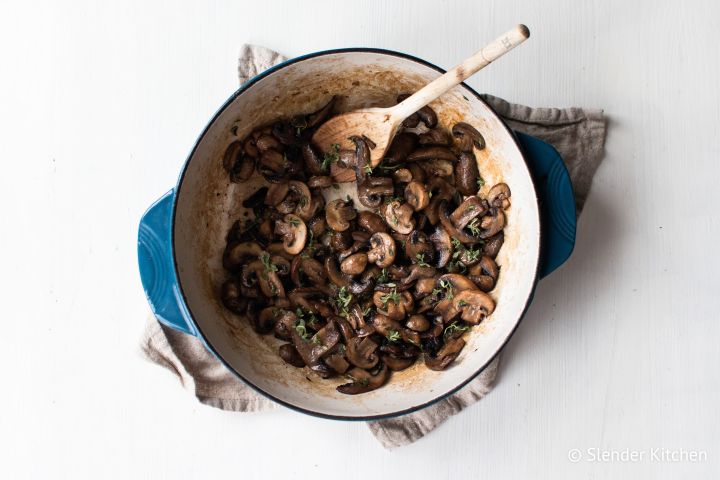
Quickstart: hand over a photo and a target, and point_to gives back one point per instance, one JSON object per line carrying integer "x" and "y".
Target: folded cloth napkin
{"x": 578, "y": 134}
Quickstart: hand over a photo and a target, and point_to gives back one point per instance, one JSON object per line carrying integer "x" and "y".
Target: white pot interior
{"x": 208, "y": 204}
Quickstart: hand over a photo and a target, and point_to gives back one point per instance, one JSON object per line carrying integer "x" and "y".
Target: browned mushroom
{"x": 338, "y": 214}
{"x": 400, "y": 148}
{"x": 443, "y": 246}
{"x": 232, "y": 297}
{"x": 499, "y": 196}
{"x": 394, "y": 305}
{"x": 362, "y": 154}
{"x": 493, "y": 244}
{"x": 484, "y": 274}
{"x": 416, "y": 195}
{"x": 236, "y": 255}
{"x": 492, "y": 223}
{"x": 432, "y": 153}
{"x": 472, "y": 207}
{"x": 446, "y": 355}
{"x": 452, "y": 285}
{"x": 372, "y": 189}
{"x": 313, "y": 160}
{"x": 263, "y": 272}
{"x": 294, "y": 233}
{"x": 419, "y": 249}
{"x": 273, "y": 166}
{"x": 320, "y": 181}
{"x": 418, "y": 323}
{"x": 361, "y": 352}
{"x": 364, "y": 381}
{"x": 290, "y": 355}
{"x": 371, "y": 222}
{"x": 468, "y": 137}
{"x": 467, "y": 174}
{"x": 454, "y": 232}
{"x": 475, "y": 305}
{"x": 354, "y": 264}
{"x": 382, "y": 251}
{"x": 436, "y": 136}
{"x": 399, "y": 217}
{"x": 266, "y": 142}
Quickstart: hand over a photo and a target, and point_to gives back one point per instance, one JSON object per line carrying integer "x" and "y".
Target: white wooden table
{"x": 101, "y": 102}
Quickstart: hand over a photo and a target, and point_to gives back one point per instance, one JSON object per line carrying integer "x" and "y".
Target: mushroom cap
{"x": 399, "y": 217}
{"x": 416, "y": 195}
{"x": 468, "y": 137}
{"x": 499, "y": 196}
{"x": 294, "y": 233}
{"x": 354, "y": 264}
{"x": 371, "y": 222}
{"x": 467, "y": 173}
{"x": 371, "y": 191}
{"x": 338, "y": 214}
{"x": 475, "y": 305}
{"x": 382, "y": 252}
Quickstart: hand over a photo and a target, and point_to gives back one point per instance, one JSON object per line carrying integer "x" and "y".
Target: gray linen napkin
{"x": 578, "y": 134}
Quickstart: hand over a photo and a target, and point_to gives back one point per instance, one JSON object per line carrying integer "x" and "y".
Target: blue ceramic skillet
{"x": 182, "y": 236}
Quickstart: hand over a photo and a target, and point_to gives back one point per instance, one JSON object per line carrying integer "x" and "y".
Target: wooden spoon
{"x": 381, "y": 124}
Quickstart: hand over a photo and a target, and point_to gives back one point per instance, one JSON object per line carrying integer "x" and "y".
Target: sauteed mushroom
{"x": 359, "y": 290}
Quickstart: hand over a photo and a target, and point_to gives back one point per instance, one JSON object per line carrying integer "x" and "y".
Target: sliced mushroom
{"x": 418, "y": 323}
{"x": 372, "y": 189}
{"x": 400, "y": 148}
{"x": 268, "y": 280}
{"x": 231, "y": 296}
{"x": 362, "y": 154}
{"x": 451, "y": 229}
{"x": 441, "y": 191}
{"x": 364, "y": 381}
{"x": 312, "y": 159}
{"x": 436, "y": 136}
{"x": 361, "y": 352}
{"x": 475, "y": 305}
{"x": 499, "y": 196}
{"x": 443, "y": 246}
{"x": 304, "y": 208}
{"x": 232, "y": 154}
{"x": 418, "y": 272}
{"x": 467, "y": 173}
{"x": 273, "y": 166}
{"x": 371, "y": 222}
{"x": 266, "y": 142}
{"x": 290, "y": 355}
{"x": 493, "y": 223}
{"x": 472, "y": 207}
{"x": 485, "y": 273}
{"x": 320, "y": 181}
{"x": 394, "y": 305}
{"x": 428, "y": 116}
{"x": 236, "y": 255}
{"x": 418, "y": 248}
{"x": 354, "y": 264}
{"x": 437, "y": 167}
{"x": 338, "y": 214}
{"x": 425, "y": 286}
{"x": 446, "y": 355}
{"x": 493, "y": 244}
{"x": 432, "y": 153}
{"x": 337, "y": 362}
{"x": 382, "y": 251}
{"x": 294, "y": 233}
{"x": 402, "y": 175}
{"x": 416, "y": 195}
{"x": 468, "y": 137}
{"x": 453, "y": 284}
{"x": 399, "y": 216}
{"x": 276, "y": 193}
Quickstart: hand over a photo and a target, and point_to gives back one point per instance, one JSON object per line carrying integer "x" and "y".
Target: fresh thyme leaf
{"x": 316, "y": 340}
{"x": 453, "y": 328}
{"x": 474, "y": 227}
{"x": 301, "y": 329}
{"x": 343, "y": 300}
{"x": 384, "y": 276}
{"x": 393, "y": 336}
{"x": 330, "y": 157}
{"x": 265, "y": 259}
{"x": 295, "y": 222}
{"x": 480, "y": 182}
{"x": 363, "y": 382}
{"x": 393, "y": 296}
{"x": 449, "y": 289}
{"x": 462, "y": 303}
{"x": 368, "y": 169}
{"x": 420, "y": 257}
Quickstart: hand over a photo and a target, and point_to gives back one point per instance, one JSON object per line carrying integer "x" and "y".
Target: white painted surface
{"x": 102, "y": 101}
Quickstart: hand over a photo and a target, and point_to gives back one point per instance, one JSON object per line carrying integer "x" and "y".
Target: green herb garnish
{"x": 480, "y": 182}
{"x": 474, "y": 227}
{"x": 453, "y": 328}
{"x": 393, "y": 296}
{"x": 269, "y": 266}
{"x": 330, "y": 157}
{"x": 420, "y": 257}
{"x": 393, "y": 336}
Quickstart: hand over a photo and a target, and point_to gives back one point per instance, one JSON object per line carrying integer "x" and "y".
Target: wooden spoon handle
{"x": 492, "y": 51}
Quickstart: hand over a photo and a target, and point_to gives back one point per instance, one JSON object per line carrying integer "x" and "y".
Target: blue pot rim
{"x": 199, "y": 331}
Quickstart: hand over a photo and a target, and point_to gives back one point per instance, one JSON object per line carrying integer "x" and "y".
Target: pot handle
{"x": 157, "y": 271}
{"x": 557, "y": 202}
